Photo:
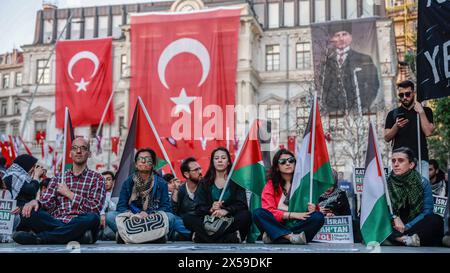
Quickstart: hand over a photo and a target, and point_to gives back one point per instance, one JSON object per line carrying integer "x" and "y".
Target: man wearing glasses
{"x": 68, "y": 210}
{"x": 401, "y": 124}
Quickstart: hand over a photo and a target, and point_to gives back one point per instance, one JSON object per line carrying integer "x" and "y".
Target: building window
{"x": 302, "y": 117}
{"x": 116, "y": 23}
{"x": 274, "y": 15}
{"x": 367, "y": 6}
{"x": 303, "y": 52}
{"x": 94, "y": 129}
{"x": 259, "y": 10}
{"x": 289, "y": 14}
{"x": 75, "y": 30}
{"x": 352, "y": 9}
{"x": 123, "y": 65}
{"x": 319, "y": 11}
{"x": 15, "y": 128}
{"x": 41, "y": 69}
{"x": 2, "y": 129}
{"x": 121, "y": 124}
{"x": 273, "y": 114}
{"x": 89, "y": 28}
{"x": 18, "y": 78}
{"x": 40, "y": 128}
{"x": 4, "y": 107}
{"x": 335, "y": 10}
{"x": 5, "y": 81}
{"x": 304, "y": 12}
{"x": 272, "y": 57}
{"x": 61, "y": 25}
{"x": 48, "y": 31}
{"x": 16, "y": 107}
{"x": 102, "y": 26}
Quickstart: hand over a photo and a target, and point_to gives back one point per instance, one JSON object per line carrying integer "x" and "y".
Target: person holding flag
{"x": 69, "y": 209}
{"x": 217, "y": 198}
{"x": 278, "y": 224}
{"x": 143, "y": 192}
{"x": 414, "y": 222}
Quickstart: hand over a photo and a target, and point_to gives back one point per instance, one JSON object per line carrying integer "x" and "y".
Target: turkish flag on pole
{"x": 115, "y": 145}
{"x": 84, "y": 81}
{"x": 183, "y": 66}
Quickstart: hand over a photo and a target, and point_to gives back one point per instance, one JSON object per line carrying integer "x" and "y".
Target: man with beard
{"x": 401, "y": 125}
{"x": 68, "y": 210}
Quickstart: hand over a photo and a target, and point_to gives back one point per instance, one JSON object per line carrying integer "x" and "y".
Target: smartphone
{"x": 400, "y": 115}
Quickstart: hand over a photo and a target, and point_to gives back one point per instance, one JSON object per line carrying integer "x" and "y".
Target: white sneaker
{"x": 298, "y": 239}
{"x": 266, "y": 239}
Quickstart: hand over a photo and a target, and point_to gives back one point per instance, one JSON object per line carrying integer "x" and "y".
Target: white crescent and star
{"x": 182, "y": 102}
{"x": 81, "y": 85}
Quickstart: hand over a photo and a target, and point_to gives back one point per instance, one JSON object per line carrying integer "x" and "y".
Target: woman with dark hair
{"x": 233, "y": 203}
{"x": 413, "y": 219}
{"x": 273, "y": 219}
{"x": 143, "y": 193}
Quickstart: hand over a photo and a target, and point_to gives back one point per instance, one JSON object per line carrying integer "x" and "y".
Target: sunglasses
{"x": 406, "y": 94}
{"x": 283, "y": 161}
{"x": 147, "y": 160}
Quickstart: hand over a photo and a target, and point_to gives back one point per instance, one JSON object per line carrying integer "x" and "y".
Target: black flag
{"x": 433, "y": 50}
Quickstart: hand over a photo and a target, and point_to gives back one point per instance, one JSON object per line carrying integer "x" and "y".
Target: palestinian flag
{"x": 249, "y": 172}
{"x": 322, "y": 174}
{"x": 140, "y": 135}
{"x": 70, "y": 136}
{"x": 375, "y": 216}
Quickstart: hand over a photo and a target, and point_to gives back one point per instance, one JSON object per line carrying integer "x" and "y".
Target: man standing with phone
{"x": 401, "y": 125}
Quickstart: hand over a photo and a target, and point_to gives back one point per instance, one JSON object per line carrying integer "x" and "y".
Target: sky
{"x": 18, "y": 18}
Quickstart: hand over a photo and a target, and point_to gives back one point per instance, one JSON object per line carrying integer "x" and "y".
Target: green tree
{"x": 439, "y": 143}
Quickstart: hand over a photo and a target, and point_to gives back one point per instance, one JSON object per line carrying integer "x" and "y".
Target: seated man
{"x": 68, "y": 210}
{"x": 106, "y": 233}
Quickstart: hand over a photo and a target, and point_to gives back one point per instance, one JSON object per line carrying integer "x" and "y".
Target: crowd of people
{"x": 206, "y": 209}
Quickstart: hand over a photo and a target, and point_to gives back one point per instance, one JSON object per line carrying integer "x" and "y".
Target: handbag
{"x": 216, "y": 225}
{"x": 135, "y": 230}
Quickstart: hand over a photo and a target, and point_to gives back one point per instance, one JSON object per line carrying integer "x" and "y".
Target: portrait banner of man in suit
{"x": 345, "y": 64}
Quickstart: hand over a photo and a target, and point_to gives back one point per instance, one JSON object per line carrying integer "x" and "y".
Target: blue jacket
{"x": 160, "y": 194}
{"x": 428, "y": 204}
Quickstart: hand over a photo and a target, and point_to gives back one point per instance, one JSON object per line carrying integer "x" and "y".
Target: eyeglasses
{"x": 83, "y": 148}
{"x": 196, "y": 169}
{"x": 283, "y": 161}
{"x": 147, "y": 159}
{"x": 406, "y": 94}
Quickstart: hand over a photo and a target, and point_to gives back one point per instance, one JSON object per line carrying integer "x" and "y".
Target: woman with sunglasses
{"x": 143, "y": 193}
{"x": 233, "y": 203}
{"x": 413, "y": 220}
{"x": 273, "y": 219}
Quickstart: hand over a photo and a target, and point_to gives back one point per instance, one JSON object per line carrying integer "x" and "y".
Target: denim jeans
{"x": 178, "y": 227}
{"x": 266, "y": 222}
{"x": 53, "y": 231}
{"x": 111, "y": 221}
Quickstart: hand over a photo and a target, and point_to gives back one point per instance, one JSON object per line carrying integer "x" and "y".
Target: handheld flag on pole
{"x": 375, "y": 217}
{"x": 313, "y": 174}
{"x": 68, "y": 138}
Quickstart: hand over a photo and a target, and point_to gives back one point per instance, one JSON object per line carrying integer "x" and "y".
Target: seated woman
{"x": 414, "y": 222}
{"x": 273, "y": 219}
{"x": 234, "y": 203}
{"x": 142, "y": 193}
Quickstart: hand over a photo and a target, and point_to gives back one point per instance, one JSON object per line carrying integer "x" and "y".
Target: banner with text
{"x": 337, "y": 229}
{"x": 6, "y": 217}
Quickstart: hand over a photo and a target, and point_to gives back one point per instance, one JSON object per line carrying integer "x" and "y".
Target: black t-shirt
{"x": 407, "y": 136}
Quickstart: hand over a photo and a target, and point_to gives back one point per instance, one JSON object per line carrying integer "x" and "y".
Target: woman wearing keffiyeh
{"x": 143, "y": 193}
{"x": 414, "y": 222}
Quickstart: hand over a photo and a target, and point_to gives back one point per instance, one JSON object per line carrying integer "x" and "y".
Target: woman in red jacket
{"x": 278, "y": 224}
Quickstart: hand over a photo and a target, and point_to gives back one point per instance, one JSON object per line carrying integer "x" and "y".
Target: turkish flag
{"x": 84, "y": 81}
{"x": 115, "y": 145}
{"x": 183, "y": 66}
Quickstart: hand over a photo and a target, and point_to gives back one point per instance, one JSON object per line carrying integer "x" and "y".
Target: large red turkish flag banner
{"x": 183, "y": 66}
{"x": 84, "y": 81}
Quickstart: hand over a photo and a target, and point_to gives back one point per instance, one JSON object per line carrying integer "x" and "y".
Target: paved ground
{"x": 188, "y": 247}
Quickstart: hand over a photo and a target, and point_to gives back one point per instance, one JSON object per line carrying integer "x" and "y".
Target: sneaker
{"x": 446, "y": 240}
{"x": 413, "y": 240}
{"x": 86, "y": 238}
{"x": 26, "y": 238}
{"x": 298, "y": 239}
{"x": 266, "y": 239}
{"x": 119, "y": 239}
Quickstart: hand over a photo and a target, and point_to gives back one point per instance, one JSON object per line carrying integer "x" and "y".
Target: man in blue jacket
{"x": 144, "y": 192}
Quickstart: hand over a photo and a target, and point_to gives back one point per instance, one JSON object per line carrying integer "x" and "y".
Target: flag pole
{"x": 238, "y": 154}
{"x": 313, "y": 142}
{"x": 66, "y": 119}
{"x": 418, "y": 145}
{"x": 104, "y": 114}
{"x": 388, "y": 198}
{"x": 150, "y": 122}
